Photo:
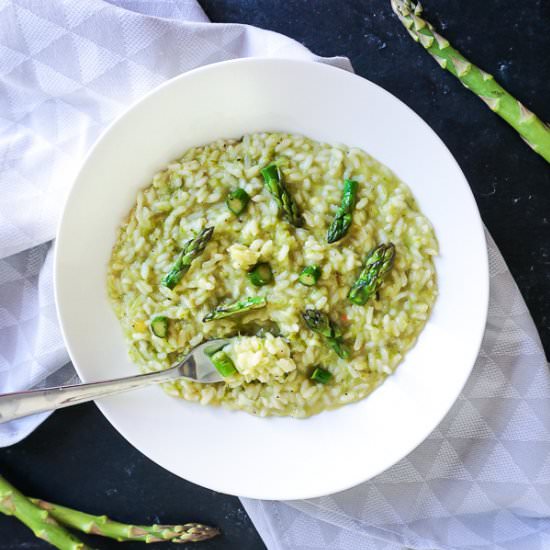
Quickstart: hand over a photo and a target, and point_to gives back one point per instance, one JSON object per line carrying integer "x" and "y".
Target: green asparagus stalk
{"x": 237, "y": 201}
{"x": 191, "y": 250}
{"x": 310, "y": 275}
{"x": 241, "y": 306}
{"x": 223, "y": 363}
{"x": 40, "y": 521}
{"x": 275, "y": 185}
{"x": 378, "y": 262}
{"x": 320, "y": 323}
{"x": 159, "y": 326}
{"x": 321, "y": 375}
{"x": 105, "y": 527}
{"x": 343, "y": 218}
{"x": 260, "y": 274}
{"x": 533, "y": 131}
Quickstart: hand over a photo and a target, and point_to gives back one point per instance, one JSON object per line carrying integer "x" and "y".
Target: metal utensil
{"x": 196, "y": 366}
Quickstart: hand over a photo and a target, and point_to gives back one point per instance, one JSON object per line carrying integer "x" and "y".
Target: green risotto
{"x": 314, "y": 258}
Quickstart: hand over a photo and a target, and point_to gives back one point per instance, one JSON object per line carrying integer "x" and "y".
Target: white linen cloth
{"x": 480, "y": 481}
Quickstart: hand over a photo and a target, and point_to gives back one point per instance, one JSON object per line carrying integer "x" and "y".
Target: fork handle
{"x": 24, "y": 403}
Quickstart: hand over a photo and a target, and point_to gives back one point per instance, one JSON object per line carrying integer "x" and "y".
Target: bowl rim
{"x": 485, "y": 282}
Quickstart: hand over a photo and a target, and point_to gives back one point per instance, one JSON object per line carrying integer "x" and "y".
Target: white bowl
{"x": 233, "y": 452}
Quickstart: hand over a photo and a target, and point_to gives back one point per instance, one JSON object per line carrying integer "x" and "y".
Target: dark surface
{"x": 76, "y": 458}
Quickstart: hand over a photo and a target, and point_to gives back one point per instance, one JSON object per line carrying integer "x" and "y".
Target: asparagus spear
{"x": 533, "y": 131}
{"x": 255, "y": 302}
{"x": 320, "y": 323}
{"x": 342, "y": 220}
{"x": 223, "y": 363}
{"x": 260, "y": 274}
{"x": 310, "y": 275}
{"x": 321, "y": 375}
{"x": 378, "y": 262}
{"x": 191, "y": 250}
{"x": 276, "y": 186}
{"x": 103, "y": 526}
{"x": 41, "y": 522}
{"x": 237, "y": 201}
{"x": 159, "y": 326}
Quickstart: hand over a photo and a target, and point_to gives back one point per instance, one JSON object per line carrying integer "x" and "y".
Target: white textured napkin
{"x": 481, "y": 480}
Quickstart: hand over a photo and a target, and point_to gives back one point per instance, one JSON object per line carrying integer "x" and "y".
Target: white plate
{"x": 233, "y": 452}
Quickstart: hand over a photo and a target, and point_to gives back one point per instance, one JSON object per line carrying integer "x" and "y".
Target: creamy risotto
{"x": 313, "y": 258}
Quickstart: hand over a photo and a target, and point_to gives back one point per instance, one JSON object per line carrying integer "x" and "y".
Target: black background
{"x": 76, "y": 458}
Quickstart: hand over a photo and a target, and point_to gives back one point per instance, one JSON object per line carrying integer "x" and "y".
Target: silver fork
{"x": 196, "y": 366}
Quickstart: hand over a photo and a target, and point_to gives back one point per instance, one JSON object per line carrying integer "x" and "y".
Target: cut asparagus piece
{"x": 191, "y": 250}
{"x": 237, "y": 201}
{"x": 321, "y": 375}
{"x": 310, "y": 275}
{"x": 533, "y": 130}
{"x": 377, "y": 264}
{"x": 241, "y": 306}
{"x": 343, "y": 218}
{"x": 223, "y": 363}
{"x": 275, "y": 185}
{"x": 320, "y": 323}
{"x": 41, "y": 522}
{"x": 105, "y": 527}
{"x": 260, "y": 274}
{"x": 159, "y": 326}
